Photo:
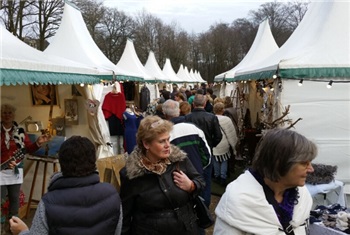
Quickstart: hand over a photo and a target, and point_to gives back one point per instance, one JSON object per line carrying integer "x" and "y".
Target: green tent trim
{"x": 129, "y": 78}
{"x": 252, "y": 76}
{"x": 20, "y": 77}
{"x": 306, "y": 73}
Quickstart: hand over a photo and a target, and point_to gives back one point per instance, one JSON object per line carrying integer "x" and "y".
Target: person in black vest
{"x": 76, "y": 201}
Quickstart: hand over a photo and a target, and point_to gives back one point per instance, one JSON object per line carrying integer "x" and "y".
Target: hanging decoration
{"x": 92, "y": 106}
{"x": 280, "y": 121}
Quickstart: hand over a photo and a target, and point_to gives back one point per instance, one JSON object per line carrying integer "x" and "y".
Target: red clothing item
{"x": 114, "y": 103}
{"x": 8, "y": 153}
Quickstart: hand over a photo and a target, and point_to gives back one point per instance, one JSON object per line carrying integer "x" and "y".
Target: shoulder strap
{"x": 226, "y": 136}
{"x": 166, "y": 192}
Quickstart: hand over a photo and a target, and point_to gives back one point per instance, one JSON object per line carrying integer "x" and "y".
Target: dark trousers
{"x": 206, "y": 193}
{"x": 13, "y": 192}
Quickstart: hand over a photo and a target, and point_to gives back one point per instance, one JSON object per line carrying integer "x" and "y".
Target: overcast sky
{"x": 191, "y": 15}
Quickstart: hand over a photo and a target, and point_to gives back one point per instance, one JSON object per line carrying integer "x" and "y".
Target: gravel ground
{"x": 214, "y": 202}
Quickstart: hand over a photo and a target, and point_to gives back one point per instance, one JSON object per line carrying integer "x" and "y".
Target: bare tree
{"x": 219, "y": 49}
{"x": 224, "y": 52}
{"x": 176, "y": 45}
{"x": 194, "y": 52}
{"x": 115, "y": 28}
{"x": 93, "y": 13}
{"x": 245, "y": 32}
{"x": 297, "y": 12}
{"x": 49, "y": 18}
{"x": 17, "y": 16}
{"x": 283, "y": 18}
{"x": 146, "y": 34}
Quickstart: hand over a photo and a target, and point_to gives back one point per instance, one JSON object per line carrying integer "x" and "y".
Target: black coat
{"x": 146, "y": 208}
{"x": 208, "y": 123}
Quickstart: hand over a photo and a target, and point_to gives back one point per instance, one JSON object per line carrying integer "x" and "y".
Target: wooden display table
{"x": 109, "y": 168}
{"x": 38, "y": 160}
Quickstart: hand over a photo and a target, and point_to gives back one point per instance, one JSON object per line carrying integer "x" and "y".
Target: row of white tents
{"x": 316, "y": 54}
{"x": 73, "y": 57}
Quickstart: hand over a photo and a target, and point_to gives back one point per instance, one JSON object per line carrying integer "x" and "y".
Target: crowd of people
{"x": 180, "y": 149}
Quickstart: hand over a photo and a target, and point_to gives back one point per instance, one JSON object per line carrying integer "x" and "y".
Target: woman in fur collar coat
{"x": 158, "y": 184}
{"x": 271, "y": 197}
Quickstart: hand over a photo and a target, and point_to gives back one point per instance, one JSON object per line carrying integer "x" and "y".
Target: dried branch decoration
{"x": 281, "y": 120}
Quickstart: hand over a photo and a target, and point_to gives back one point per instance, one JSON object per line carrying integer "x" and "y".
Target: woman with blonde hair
{"x": 158, "y": 184}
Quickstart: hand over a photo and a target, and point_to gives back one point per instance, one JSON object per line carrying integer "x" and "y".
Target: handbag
{"x": 205, "y": 219}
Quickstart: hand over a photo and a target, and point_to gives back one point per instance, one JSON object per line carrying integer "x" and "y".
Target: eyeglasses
{"x": 305, "y": 164}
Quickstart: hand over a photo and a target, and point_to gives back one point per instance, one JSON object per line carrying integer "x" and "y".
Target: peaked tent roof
{"x": 200, "y": 77}
{"x": 185, "y": 76}
{"x": 23, "y": 64}
{"x": 188, "y": 74}
{"x": 263, "y": 46}
{"x": 153, "y": 68}
{"x": 194, "y": 78}
{"x": 130, "y": 65}
{"x": 73, "y": 41}
{"x": 170, "y": 73}
{"x": 312, "y": 51}
{"x": 329, "y": 55}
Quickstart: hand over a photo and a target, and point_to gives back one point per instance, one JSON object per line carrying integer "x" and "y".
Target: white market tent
{"x": 73, "y": 41}
{"x": 263, "y": 46}
{"x": 329, "y": 55}
{"x": 305, "y": 41}
{"x": 185, "y": 75}
{"x": 155, "y": 71}
{"x": 199, "y": 77}
{"x": 170, "y": 73}
{"x": 188, "y": 75}
{"x": 325, "y": 112}
{"x": 317, "y": 52}
{"x": 181, "y": 73}
{"x": 153, "y": 68}
{"x": 130, "y": 64}
{"x": 23, "y": 64}
{"x": 194, "y": 78}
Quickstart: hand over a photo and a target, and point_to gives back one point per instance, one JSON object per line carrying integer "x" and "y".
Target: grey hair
{"x": 199, "y": 100}
{"x": 171, "y": 108}
{"x": 279, "y": 150}
{"x": 8, "y": 107}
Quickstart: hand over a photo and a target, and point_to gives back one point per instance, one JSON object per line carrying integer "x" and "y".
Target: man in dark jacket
{"x": 187, "y": 136}
{"x": 76, "y": 201}
{"x": 209, "y": 124}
